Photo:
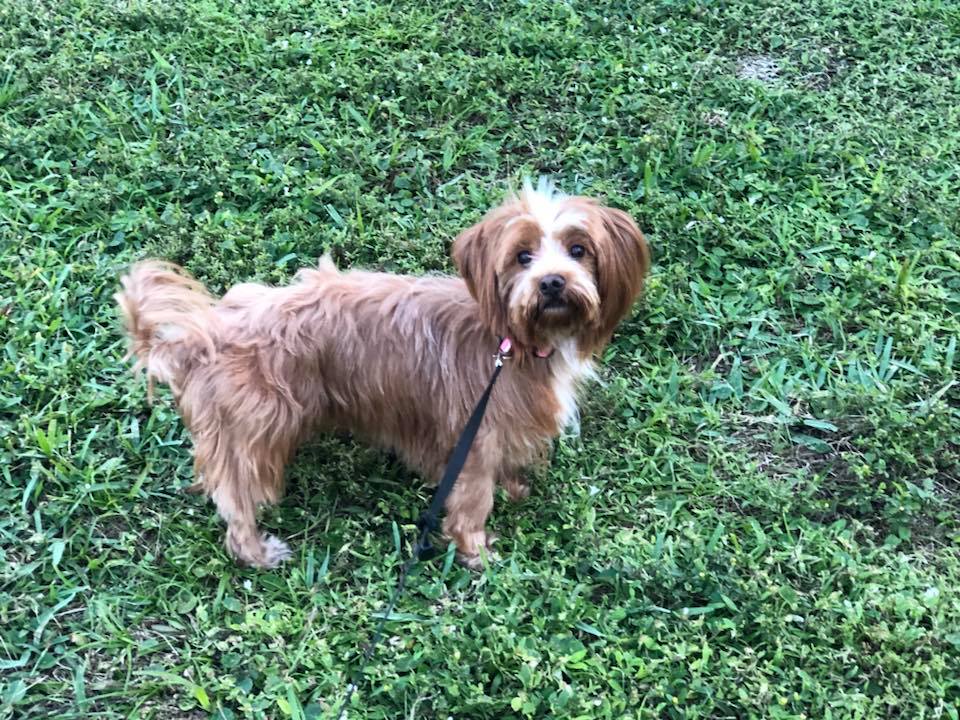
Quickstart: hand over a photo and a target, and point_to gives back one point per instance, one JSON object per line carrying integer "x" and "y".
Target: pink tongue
{"x": 543, "y": 352}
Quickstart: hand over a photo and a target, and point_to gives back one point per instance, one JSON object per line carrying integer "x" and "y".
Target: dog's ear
{"x": 623, "y": 259}
{"x": 474, "y": 255}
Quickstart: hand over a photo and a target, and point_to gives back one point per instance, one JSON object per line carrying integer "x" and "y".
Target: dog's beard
{"x": 539, "y": 320}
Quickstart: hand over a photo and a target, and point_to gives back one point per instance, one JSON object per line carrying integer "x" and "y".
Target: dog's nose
{"x": 551, "y": 285}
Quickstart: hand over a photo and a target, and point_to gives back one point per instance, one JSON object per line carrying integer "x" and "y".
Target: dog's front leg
{"x": 468, "y": 508}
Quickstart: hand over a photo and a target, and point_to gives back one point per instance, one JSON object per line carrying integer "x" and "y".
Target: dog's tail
{"x": 169, "y": 318}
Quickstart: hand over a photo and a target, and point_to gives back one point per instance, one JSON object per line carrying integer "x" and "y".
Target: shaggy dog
{"x": 397, "y": 360}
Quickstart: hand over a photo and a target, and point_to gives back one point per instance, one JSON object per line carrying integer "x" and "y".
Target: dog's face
{"x": 546, "y": 267}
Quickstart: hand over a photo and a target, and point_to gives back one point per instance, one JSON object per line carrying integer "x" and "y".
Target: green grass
{"x": 760, "y": 517}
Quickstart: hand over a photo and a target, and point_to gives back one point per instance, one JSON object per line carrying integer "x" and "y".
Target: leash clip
{"x": 504, "y": 352}
{"x": 426, "y": 524}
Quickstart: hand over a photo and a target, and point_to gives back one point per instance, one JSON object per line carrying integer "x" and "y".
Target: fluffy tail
{"x": 169, "y": 318}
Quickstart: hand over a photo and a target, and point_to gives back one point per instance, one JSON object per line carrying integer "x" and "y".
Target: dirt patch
{"x": 761, "y": 68}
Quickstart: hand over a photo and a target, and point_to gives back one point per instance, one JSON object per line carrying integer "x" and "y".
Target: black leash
{"x": 429, "y": 521}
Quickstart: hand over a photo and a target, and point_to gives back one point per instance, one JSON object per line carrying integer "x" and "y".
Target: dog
{"x": 396, "y": 360}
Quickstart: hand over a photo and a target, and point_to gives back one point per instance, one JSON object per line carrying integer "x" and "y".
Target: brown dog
{"x": 398, "y": 360}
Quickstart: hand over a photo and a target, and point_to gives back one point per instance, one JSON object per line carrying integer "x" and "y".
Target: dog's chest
{"x": 568, "y": 373}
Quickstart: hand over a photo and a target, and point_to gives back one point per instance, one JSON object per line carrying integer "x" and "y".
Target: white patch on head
{"x": 552, "y": 257}
{"x": 546, "y": 205}
{"x": 569, "y": 373}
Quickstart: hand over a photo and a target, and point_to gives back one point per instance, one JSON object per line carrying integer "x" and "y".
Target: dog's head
{"x": 546, "y": 267}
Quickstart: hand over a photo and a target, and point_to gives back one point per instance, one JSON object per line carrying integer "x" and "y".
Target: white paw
{"x": 275, "y": 551}
{"x": 470, "y": 562}
{"x": 484, "y": 557}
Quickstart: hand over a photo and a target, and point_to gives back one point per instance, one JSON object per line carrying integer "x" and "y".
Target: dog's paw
{"x": 517, "y": 488}
{"x": 479, "y": 560}
{"x": 275, "y": 551}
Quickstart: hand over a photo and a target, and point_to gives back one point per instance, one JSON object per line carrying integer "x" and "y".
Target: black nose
{"x": 551, "y": 285}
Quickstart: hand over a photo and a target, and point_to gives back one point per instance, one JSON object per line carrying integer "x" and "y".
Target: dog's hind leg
{"x": 239, "y": 479}
{"x": 516, "y": 485}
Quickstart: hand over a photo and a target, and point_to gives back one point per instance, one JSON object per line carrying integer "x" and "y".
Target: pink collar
{"x": 506, "y": 347}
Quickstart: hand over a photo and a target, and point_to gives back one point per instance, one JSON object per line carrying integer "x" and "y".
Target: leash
{"x": 429, "y": 521}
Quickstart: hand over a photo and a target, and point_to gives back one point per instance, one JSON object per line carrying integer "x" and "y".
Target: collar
{"x": 505, "y": 350}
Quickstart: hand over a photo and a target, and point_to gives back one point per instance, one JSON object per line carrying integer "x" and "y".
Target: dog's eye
{"x": 524, "y": 257}
{"x": 577, "y": 251}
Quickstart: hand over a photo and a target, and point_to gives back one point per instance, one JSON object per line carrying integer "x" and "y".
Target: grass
{"x": 760, "y": 516}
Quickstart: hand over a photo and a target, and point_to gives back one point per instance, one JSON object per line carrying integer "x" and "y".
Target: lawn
{"x": 760, "y": 517}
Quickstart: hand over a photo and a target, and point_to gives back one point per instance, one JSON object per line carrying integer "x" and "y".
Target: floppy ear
{"x": 623, "y": 259}
{"x": 474, "y": 255}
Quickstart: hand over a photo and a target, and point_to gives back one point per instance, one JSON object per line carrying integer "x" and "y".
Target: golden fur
{"x": 397, "y": 360}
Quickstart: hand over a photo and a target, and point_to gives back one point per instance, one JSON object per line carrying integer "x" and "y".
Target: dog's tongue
{"x": 543, "y": 352}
